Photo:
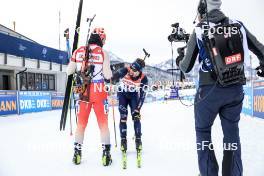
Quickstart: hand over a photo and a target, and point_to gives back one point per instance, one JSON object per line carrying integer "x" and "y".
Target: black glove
{"x": 260, "y": 70}
{"x": 178, "y": 59}
{"x": 181, "y": 51}
{"x": 136, "y": 115}
{"x": 115, "y": 78}
{"x": 107, "y": 80}
{"x": 181, "y": 55}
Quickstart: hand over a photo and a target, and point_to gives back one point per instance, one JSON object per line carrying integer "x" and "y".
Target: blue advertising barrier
{"x": 23, "y": 48}
{"x": 259, "y": 99}
{"x": 248, "y": 101}
{"x": 34, "y": 101}
{"x": 174, "y": 93}
{"x": 57, "y": 100}
{"x": 8, "y": 102}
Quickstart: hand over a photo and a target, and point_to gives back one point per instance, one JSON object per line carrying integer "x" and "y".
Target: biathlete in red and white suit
{"x": 97, "y": 97}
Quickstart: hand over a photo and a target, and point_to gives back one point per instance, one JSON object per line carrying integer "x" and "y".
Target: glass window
{"x": 23, "y": 81}
{"x": 45, "y": 82}
{"x": 38, "y": 81}
{"x": 31, "y": 81}
{"x": 51, "y": 82}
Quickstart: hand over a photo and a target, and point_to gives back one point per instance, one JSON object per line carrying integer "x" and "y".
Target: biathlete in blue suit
{"x": 131, "y": 92}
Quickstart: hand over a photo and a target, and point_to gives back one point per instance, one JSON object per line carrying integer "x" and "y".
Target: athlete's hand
{"x": 181, "y": 51}
{"x": 136, "y": 115}
{"x": 178, "y": 60}
{"x": 180, "y": 56}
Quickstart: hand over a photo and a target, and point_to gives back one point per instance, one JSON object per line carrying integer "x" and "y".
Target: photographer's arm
{"x": 255, "y": 46}
{"x": 188, "y": 61}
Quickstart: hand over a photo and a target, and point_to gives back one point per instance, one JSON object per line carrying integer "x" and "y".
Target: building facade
{"x": 29, "y": 66}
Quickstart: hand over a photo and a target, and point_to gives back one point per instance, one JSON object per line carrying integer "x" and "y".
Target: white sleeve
{"x": 71, "y": 68}
{"x": 106, "y": 66}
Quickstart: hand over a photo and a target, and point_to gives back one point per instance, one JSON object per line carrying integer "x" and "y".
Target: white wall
{"x": 2, "y": 58}
{"x": 44, "y": 65}
{"x": 30, "y": 63}
{"x": 56, "y": 67}
{"x": 14, "y": 61}
{"x": 61, "y": 82}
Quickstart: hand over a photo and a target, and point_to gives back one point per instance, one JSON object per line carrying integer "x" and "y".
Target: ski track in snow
{"x": 31, "y": 144}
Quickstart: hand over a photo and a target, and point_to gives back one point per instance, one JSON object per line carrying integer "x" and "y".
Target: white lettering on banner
{"x": 42, "y": 104}
{"x": 27, "y": 104}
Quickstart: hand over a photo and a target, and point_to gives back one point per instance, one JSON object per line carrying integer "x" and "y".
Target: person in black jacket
{"x": 213, "y": 99}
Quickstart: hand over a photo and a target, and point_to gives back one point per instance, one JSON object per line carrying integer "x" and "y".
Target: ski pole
{"x": 71, "y": 116}
{"x": 114, "y": 124}
{"x": 113, "y": 109}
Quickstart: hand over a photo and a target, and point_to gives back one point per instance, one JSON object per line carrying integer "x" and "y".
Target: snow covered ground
{"x": 31, "y": 144}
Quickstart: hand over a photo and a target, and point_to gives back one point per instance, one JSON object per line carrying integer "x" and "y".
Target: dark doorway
{"x": 6, "y": 82}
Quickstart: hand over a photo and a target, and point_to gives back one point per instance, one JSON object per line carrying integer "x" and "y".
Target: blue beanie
{"x": 138, "y": 64}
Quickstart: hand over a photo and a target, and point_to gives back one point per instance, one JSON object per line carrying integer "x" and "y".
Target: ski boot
{"x": 123, "y": 144}
{"x": 139, "y": 151}
{"x": 124, "y": 152}
{"x": 106, "y": 158}
{"x": 77, "y": 153}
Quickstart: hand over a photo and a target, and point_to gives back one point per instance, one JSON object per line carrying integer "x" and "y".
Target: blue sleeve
{"x": 142, "y": 92}
{"x": 120, "y": 73}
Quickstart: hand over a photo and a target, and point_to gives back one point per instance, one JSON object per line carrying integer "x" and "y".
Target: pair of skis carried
{"x": 67, "y": 96}
{"x": 70, "y": 79}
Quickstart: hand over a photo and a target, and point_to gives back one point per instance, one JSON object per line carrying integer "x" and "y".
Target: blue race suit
{"x": 130, "y": 94}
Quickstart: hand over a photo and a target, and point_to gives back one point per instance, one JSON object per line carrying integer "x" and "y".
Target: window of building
{"x": 51, "y": 82}
{"x": 23, "y": 81}
{"x": 31, "y": 81}
{"x": 45, "y": 82}
{"x": 38, "y": 81}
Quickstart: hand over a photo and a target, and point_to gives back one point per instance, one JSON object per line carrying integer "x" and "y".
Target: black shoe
{"x": 123, "y": 144}
{"x": 77, "y": 153}
{"x": 138, "y": 144}
{"x": 106, "y": 158}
